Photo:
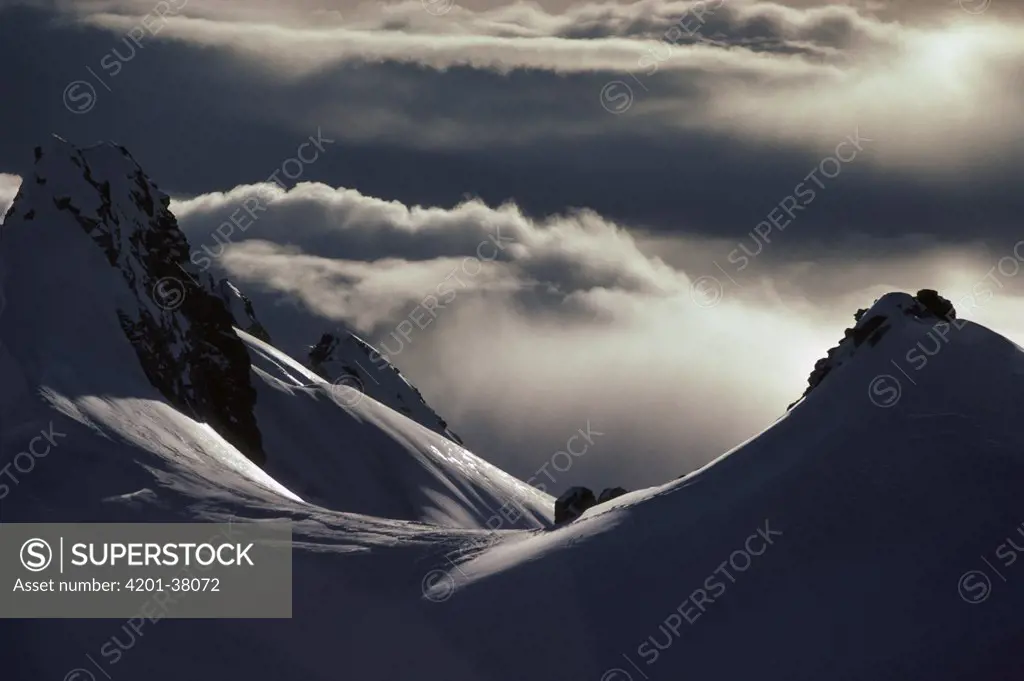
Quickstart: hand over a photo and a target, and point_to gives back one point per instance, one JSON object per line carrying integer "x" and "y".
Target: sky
{"x": 646, "y": 220}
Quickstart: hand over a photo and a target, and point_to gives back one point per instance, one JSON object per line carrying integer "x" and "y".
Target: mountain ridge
{"x": 181, "y": 333}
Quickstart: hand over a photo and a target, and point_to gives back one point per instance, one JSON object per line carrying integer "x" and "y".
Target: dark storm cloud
{"x": 203, "y": 118}
{"x": 770, "y": 27}
{"x": 199, "y": 119}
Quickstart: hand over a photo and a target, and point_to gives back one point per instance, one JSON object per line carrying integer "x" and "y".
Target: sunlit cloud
{"x": 761, "y": 72}
{"x": 579, "y": 320}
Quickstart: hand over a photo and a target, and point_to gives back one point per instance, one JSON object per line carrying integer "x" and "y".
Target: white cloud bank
{"x": 576, "y": 321}
{"x": 939, "y": 96}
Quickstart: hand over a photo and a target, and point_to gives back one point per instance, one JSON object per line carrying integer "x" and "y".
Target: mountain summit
{"x": 343, "y": 358}
{"x": 181, "y": 333}
{"x": 871, "y": 325}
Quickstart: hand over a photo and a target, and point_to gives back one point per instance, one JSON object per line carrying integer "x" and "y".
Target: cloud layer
{"x": 520, "y": 331}
{"x": 612, "y": 107}
{"x": 753, "y": 70}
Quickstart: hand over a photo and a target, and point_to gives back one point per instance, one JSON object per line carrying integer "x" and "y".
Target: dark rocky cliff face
{"x": 180, "y": 328}
{"x": 241, "y": 309}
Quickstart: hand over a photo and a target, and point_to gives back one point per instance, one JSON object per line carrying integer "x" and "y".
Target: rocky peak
{"x": 575, "y": 500}
{"x": 871, "y": 324}
{"x": 181, "y": 331}
{"x": 344, "y": 358}
{"x": 241, "y": 309}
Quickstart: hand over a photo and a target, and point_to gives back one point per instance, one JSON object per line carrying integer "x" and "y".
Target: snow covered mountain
{"x": 114, "y": 325}
{"x": 181, "y": 333}
{"x": 837, "y": 544}
{"x": 344, "y": 358}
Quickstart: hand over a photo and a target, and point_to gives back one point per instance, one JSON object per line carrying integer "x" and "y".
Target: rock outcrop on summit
{"x": 344, "y": 358}
{"x": 180, "y": 329}
{"x": 926, "y": 304}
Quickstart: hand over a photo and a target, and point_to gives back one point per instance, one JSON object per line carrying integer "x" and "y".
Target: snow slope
{"x": 882, "y": 509}
{"x": 63, "y": 336}
{"x": 831, "y": 546}
{"x": 356, "y": 454}
{"x": 345, "y": 359}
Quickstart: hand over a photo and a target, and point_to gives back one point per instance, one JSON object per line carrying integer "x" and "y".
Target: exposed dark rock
{"x": 936, "y": 304}
{"x": 863, "y": 332}
{"x": 319, "y": 353}
{"x": 181, "y": 332}
{"x": 241, "y": 309}
{"x": 573, "y": 502}
{"x": 343, "y": 358}
{"x": 610, "y": 493}
{"x": 927, "y": 304}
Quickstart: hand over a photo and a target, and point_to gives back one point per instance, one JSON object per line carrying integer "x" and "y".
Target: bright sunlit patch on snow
{"x": 158, "y": 427}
